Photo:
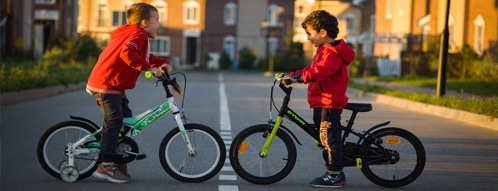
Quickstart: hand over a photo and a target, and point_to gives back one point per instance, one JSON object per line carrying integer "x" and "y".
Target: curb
{"x": 449, "y": 113}
{"x": 16, "y": 97}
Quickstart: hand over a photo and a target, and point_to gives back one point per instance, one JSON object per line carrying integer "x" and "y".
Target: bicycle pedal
{"x": 140, "y": 156}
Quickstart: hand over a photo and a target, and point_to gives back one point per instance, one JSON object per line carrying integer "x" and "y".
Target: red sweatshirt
{"x": 327, "y": 76}
{"x": 121, "y": 62}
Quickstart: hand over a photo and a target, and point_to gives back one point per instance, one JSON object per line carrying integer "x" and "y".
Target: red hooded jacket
{"x": 121, "y": 62}
{"x": 327, "y": 75}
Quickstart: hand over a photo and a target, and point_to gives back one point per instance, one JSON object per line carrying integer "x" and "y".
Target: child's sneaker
{"x": 110, "y": 173}
{"x": 327, "y": 181}
{"x": 343, "y": 178}
{"x": 124, "y": 169}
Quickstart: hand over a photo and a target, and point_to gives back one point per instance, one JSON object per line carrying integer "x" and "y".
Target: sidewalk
{"x": 454, "y": 114}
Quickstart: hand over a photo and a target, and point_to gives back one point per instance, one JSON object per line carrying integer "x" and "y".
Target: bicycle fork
{"x": 269, "y": 139}
{"x": 181, "y": 127}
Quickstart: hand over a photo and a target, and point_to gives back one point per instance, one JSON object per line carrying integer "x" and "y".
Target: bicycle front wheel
{"x": 249, "y": 165}
{"x": 209, "y": 157}
{"x": 399, "y": 160}
{"x": 51, "y": 149}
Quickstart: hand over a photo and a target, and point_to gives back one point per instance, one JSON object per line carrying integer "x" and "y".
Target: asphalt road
{"x": 459, "y": 156}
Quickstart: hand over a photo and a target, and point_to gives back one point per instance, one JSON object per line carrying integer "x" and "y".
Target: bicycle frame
{"x": 311, "y": 129}
{"x": 134, "y": 125}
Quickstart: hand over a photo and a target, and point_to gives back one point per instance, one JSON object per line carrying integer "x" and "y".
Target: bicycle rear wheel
{"x": 399, "y": 161}
{"x": 247, "y": 163}
{"x": 207, "y": 162}
{"x": 51, "y": 149}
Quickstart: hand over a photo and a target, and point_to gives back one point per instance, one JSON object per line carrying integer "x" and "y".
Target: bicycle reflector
{"x": 243, "y": 147}
{"x": 393, "y": 140}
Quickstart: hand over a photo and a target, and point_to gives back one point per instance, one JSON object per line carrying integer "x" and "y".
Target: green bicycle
{"x": 266, "y": 153}
{"x": 191, "y": 152}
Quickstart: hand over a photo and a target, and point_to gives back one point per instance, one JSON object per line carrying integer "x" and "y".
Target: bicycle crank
{"x": 138, "y": 156}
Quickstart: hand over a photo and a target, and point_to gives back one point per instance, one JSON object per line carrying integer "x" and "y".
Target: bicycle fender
{"x": 377, "y": 126}
{"x": 82, "y": 119}
{"x": 288, "y": 131}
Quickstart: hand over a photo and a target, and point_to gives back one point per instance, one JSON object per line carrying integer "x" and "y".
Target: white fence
{"x": 389, "y": 67}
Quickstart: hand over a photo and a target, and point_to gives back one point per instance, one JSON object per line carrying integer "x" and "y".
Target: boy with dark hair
{"x": 117, "y": 69}
{"x": 327, "y": 78}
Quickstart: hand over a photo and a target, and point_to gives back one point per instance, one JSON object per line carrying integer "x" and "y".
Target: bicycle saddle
{"x": 359, "y": 107}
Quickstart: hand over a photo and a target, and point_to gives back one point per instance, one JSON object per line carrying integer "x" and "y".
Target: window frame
{"x": 230, "y": 14}
{"x": 191, "y": 12}
{"x": 167, "y": 46}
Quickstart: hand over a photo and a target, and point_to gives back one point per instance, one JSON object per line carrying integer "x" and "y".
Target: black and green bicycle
{"x": 266, "y": 153}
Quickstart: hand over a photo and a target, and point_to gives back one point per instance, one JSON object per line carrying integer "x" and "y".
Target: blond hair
{"x": 138, "y": 12}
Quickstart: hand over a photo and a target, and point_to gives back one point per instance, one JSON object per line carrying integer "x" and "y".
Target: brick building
{"x": 27, "y": 26}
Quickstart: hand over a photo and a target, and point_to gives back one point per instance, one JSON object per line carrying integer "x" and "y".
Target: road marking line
{"x": 227, "y": 168}
{"x": 228, "y": 177}
{"x": 226, "y": 129}
{"x": 224, "y": 114}
{"x": 228, "y": 188}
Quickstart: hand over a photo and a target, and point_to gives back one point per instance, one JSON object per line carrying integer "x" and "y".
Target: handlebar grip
{"x": 287, "y": 82}
{"x": 149, "y": 74}
{"x": 279, "y": 76}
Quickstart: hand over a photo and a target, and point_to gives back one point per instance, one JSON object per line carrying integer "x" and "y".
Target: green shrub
{"x": 247, "y": 58}
{"x": 225, "y": 61}
{"x": 65, "y": 62}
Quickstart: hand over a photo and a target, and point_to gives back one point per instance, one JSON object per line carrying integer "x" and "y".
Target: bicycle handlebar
{"x": 165, "y": 78}
{"x": 149, "y": 74}
{"x": 279, "y": 76}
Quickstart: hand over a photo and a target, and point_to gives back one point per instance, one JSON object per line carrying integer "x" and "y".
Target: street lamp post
{"x": 268, "y": 34}
{"x": 443, "y": 55}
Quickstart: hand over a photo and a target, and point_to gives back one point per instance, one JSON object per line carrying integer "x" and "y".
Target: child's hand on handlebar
{"x": 166, "y": 67}
{"x": 157, "y": 72}
{"x": 286, "y": 80}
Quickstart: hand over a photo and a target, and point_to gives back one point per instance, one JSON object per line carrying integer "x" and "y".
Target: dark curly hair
{"x": 138, "y": 12}
{"x": 321, "y": 19}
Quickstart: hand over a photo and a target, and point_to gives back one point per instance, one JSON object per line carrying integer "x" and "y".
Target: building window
{"x": 350, "y": 24}
{"x": 272, "y": 15}
{"x": 160, "y": 46}
{"x": 479, "y": 25}
{"x": 230, "y": 15}
{"x": 45, "y": 2}
{"x": 118, "y": 18}
{"x": 389, "y": 9}
{"x": 102, "y": 12}
{"x": 162, "y": 10}
{"x": 191, "y": 12}
{"x": 400, "y": 7}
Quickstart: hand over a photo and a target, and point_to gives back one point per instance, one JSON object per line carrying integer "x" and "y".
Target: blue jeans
{"x": 334, "y": 134}
{"x": 115, "y": 108}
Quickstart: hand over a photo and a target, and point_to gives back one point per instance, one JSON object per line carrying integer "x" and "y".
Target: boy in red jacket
{"x": 327, "y": 78}
{"x": 117, "y": 69}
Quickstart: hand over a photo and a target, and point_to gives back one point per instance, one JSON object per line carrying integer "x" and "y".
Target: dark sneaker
{"x": 343, "y": 178}
{"x": 124, "y": 169}
{"x": 110, "y": 173}
{"x": 327, "y": 181}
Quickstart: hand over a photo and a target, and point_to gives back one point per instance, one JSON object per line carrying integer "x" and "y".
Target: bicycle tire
{"x": 247, "y": 163}
{"x": 53, "y": 143}
{"x": 404, "y": 166}
{"x": 208, "y": 161}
